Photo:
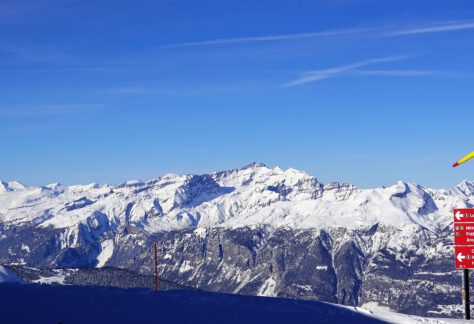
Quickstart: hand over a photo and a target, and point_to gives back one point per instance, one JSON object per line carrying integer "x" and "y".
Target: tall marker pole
{"x": 156, "y": 267}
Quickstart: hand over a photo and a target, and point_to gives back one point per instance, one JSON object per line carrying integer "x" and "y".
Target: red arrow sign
{"x": 464, "y": 234}
{"x": 465, "y": 215}
{"x": 464, "y": 238}
{"x": 464, "y": 257}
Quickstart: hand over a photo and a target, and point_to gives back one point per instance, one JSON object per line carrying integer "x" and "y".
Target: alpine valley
{"x": 253, "y": 231}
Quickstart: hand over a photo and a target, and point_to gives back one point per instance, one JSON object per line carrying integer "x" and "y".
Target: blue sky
{"x": 365, "y": 92}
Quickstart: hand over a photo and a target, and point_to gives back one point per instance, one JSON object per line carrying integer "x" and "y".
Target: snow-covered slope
{"x": 7, "y": 275}
{"x": 67, "y": 304}
{"x": 250, "y": 196}
{"x": 255, "y": 230}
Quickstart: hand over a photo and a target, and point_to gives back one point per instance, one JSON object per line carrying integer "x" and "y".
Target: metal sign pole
{"x": 467, "y": 299}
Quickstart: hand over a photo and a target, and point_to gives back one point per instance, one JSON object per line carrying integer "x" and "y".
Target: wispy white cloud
{"x": 386, "y": 31}
{"x": 270, "y": 38}
{"x": 444, "y": 27}
{"x": 318, "y": 75}
{"x": 414, "y": 73}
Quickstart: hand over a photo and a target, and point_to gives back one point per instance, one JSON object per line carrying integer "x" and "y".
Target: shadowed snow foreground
{"x": 74, "y": 304}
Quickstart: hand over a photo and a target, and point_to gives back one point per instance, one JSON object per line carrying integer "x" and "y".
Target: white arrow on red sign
{"x": 461, "y": 257}
{"x": 458, "y": 215}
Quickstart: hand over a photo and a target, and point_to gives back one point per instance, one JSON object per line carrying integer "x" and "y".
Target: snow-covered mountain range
{"x": 254, "y": 230}
{"x": 253, "y": 195}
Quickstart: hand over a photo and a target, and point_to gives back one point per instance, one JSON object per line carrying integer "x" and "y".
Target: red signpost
{"x": 463, "y": 243}
{"x": 464, "y": 238}
{"x": 464, "y": 250}
{"x": 464, "y": 215}
{"x": 464, "y": 234}
{"x": 464, "y": 257}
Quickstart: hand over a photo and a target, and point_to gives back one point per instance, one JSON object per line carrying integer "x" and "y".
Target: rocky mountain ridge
{"x": 254, "y": 230}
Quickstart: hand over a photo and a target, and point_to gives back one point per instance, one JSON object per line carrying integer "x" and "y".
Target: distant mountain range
{"x": 255, "y": 230}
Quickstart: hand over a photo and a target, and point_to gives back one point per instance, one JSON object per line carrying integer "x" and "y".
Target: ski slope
{"x": 79, "y": 304}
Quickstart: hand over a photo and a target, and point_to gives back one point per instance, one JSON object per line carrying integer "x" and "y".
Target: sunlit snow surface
{"x": 251, "y": 196}
{"x": 106, "y": 252}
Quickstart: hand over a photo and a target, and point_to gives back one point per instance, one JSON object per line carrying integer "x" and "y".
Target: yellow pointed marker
{"x": 464, "y": 159}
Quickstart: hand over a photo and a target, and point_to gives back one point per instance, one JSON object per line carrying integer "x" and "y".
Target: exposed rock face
{"x": 333, "y": 265}
{"x": 255, "y": 231}
{"x": 336, "y": 265}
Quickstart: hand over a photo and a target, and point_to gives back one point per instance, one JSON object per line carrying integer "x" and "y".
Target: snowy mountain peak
{"x": 11, "y": 186}
{"x": 130, "y": 184}
{"x": 4, "y": 187}
{"x": 53, "y": 186}
{"x": 254, "y": 165}
{"x": 248, "y": 230}
{"x": 255, "y": 194}
{"x": 338, "y": 191}
{"x": 82, "y": 188}
{"x": 260, "y": 174}
{"x": 465, "y": 188}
